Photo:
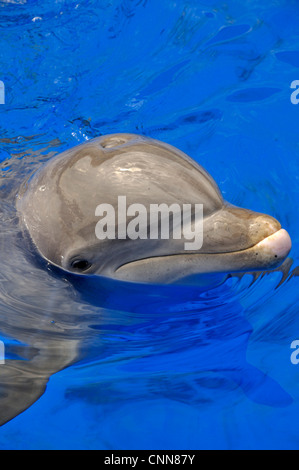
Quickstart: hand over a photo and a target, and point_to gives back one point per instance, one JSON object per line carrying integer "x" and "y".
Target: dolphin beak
{"x": 234, "y": 229}
{"x": 249, "y": 241}
{"x": 266, "y": 255}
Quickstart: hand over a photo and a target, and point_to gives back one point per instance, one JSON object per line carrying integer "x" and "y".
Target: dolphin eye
{"x": 81, "y": 264}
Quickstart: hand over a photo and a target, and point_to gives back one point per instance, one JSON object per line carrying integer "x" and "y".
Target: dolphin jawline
{"x": 269, "y": 253}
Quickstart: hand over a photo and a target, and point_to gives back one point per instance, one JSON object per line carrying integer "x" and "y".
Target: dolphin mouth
{"x": 277, "y": 245}
{"x": 266, "y": 255}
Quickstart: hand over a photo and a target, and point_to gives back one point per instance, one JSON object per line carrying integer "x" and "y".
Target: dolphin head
{"x": 121, "y": 178}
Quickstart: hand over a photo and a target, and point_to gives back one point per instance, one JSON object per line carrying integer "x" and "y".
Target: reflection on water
{"x": 102, "y": 364}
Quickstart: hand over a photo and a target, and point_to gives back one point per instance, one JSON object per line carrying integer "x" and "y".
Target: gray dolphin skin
{"x": 57, "y": 207}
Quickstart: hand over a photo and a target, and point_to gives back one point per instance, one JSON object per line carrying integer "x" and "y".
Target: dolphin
{"x": 57, "y": 208}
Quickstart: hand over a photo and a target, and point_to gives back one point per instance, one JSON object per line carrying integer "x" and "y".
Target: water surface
{"x": 134, "y": 367}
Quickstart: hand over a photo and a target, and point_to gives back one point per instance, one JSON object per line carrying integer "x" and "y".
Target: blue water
{"x": 136, "y": 368}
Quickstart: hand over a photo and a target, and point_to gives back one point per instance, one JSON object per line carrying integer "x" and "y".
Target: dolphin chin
{"x": 278, "y": 245}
